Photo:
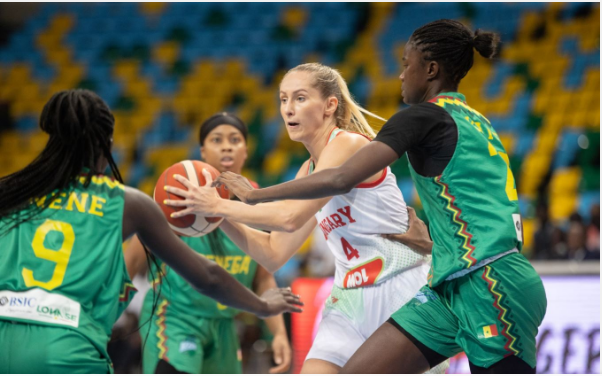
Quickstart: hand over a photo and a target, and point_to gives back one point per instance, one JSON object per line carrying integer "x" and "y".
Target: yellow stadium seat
{"x": 153, "y": 8}
{"x": 592, "y": 79}
{"x": 562, "y": 206}
{"x": 138, "y": 88}
{"x": 234, "y": 69}
{"x": 535, "y": 166}
{"x": 294, "y": 17}
{"x": 166, "y": 52}
{"x": 70, "y": 74}
{"x": 37, "y": 141}
{"x": 164, "y": 156}
{"x": 10, "y": 141}
{"x": 58, "y": 56}
{"x": 7, "y": 92}
{"x": 125, "y": 141}
{"x": 275, "y": 162}
{"x": 508, "y": 141}
{"x": 23, "y": 158}
{"x": 147, "y": 185}
{"x": 61, "y": 23}
{"x": 19, "y": 73}
{"x": 126, "y": 70}
{"x": 594, "y": 118}
{"x": 29, "y": 91}
{"x": 528, "y": 232}
{"x": 19, "y": 108}
{"x": 204, "y": 69}
{"x": 48, "y": 41}
{"x": 141, "y": 121}
{"x": 249, "y": 174}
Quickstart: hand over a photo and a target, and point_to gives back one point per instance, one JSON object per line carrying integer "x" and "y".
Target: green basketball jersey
{"x": 65, "y": 267}
{"x": 472, "y": 206}
{"x": 183, "y": 298}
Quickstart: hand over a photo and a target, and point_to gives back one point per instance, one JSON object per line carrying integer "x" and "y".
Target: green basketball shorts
{"x": 35, "y": 349}
{"x": 491, "y": 313}
{"x": 190, "y": 343}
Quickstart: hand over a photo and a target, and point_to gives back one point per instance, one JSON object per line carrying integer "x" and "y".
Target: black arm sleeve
{"x": 426, "y": 132}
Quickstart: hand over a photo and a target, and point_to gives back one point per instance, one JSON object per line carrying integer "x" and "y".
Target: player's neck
{"x": 317, "y": 144}
{"x": 437, "y": 88}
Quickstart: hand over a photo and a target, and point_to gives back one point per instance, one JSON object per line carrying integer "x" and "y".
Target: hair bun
{"x": 486, "y": 43}
{"x": 71, "y": 115}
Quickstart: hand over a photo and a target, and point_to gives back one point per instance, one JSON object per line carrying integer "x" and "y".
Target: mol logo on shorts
{"x": 364, "y": 275}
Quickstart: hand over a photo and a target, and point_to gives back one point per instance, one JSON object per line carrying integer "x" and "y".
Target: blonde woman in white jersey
{"x": 374, "y": 276}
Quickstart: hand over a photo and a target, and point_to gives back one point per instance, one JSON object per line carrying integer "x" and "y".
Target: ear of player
{"x": 192, "y": 174}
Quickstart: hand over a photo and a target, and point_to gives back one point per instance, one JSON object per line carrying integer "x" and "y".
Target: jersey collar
{"x": 450, "y": 95}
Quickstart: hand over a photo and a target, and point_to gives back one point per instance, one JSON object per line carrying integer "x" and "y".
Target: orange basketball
{"x": 190, "y": 225}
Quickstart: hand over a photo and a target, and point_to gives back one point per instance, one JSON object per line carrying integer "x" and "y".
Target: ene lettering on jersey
{"x": 336, "y": 220}
{"x": 80, "y": 202}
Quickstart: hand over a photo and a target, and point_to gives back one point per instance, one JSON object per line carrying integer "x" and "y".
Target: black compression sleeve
{"x": 426, "y": 132}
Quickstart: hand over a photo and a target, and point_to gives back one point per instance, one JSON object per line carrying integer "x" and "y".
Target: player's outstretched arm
{"x": 270, "y": 250}
{"x": 366, "y": 162}
{"x": 284, "y": 216}
{"x": 142, "y": 216}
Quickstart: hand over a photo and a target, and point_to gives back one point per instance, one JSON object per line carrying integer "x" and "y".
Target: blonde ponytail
{"x": 349, "y": 114}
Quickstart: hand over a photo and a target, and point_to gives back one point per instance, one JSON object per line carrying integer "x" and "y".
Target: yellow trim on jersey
{"x": 100, "y": 180}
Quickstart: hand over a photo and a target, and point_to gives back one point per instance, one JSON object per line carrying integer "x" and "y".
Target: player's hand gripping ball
{"x": 191, "y": 225}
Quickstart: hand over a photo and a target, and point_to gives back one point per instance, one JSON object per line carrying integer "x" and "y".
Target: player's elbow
{"x": 291, "y": 222}
{"x": 341, "y": 183}
{"x": 211, "y": 279}
{"x": 273, "y": 266}
{"x": 272, "y": 260}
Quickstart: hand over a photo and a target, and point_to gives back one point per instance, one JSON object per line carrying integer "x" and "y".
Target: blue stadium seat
{"x": 567, "y": 149}
{"x": 586, "y": 201}
{"x": 406, "y": 186}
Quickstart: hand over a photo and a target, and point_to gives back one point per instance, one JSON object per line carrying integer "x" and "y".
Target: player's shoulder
{"x": 423, "y": 111}
{"x": 304, "y": 170}
{"x": 347, "y": 140}
{"x": 135, "y": 198}
{"x": 420, "y": 116}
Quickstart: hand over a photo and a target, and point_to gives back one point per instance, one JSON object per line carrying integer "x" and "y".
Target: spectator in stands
{"x": 542, "y": 238}
{"x": 549, "y": 240}
{"x": 593, "y": 230}
{"x": 576, "y": 246}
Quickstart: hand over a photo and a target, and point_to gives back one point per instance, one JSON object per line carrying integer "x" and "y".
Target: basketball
{"x": 191, "y": 225}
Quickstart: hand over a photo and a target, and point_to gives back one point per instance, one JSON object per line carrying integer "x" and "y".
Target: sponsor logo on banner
{"x": 364, "y": 275}
{"x": 40, "y": 305}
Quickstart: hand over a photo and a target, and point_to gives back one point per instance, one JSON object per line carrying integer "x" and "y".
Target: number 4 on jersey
{"x": 350, "y": 252}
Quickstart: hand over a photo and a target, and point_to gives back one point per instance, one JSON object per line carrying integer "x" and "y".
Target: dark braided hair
{"x": 80, "y": 126}
{"x": 451, "y": 44}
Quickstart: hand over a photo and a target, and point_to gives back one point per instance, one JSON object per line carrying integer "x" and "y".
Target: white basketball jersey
{"x": 352, "y": 225}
